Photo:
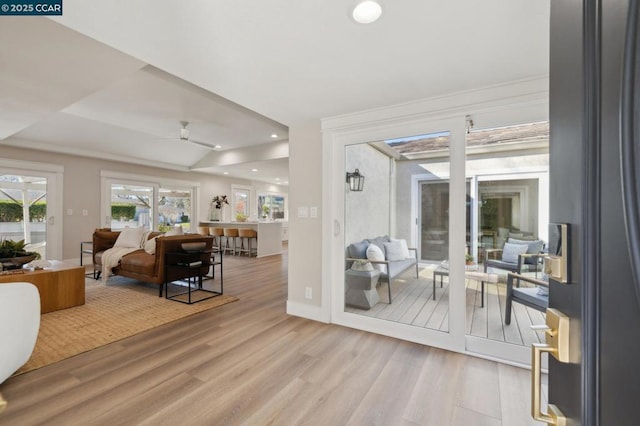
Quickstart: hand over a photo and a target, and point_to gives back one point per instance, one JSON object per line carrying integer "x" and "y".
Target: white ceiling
{"x": 292, "y": 61}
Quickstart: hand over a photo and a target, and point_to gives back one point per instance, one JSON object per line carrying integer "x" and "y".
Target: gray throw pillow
{"x": 534, "y": 246}
{"x": 358, "y": 250}
{"x": 393, "y": 251}
{"x": 510, "y": 252}
{"x": 379, "y": 241}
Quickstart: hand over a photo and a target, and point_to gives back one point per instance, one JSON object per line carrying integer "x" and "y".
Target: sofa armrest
{"x": 415, "y": 252}
{"x": 103, "y": 239}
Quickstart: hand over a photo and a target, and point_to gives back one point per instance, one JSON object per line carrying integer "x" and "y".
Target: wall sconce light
{"x": 355, "y": 180}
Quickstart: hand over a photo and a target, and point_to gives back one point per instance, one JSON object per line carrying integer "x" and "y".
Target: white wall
{"x": 367, "y": 213}
{"x": 305, "y": 234}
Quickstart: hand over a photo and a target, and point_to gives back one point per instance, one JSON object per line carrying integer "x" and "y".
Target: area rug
{"x": 111, "y": 312}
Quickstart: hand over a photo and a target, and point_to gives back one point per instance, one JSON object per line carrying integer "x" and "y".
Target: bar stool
{"x": 247, "y": 235}
{"x": 230, "y": 234}
{"x": 217, "y": 234}
{"x": 203, "y": 230}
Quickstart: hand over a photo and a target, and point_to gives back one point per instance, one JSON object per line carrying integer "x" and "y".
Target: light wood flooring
{"x": 250, "y": 363}
{"x": 413, "y": 304}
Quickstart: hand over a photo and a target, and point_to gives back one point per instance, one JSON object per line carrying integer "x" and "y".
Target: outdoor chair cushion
{"x": 510, "y": 252}
{"x": 397, "y": 267}
{"x": 531, "y": 295}
{"x": 358, "y": 250}
{"x": 379, "y": 241}
{"x": 534, "y": 247}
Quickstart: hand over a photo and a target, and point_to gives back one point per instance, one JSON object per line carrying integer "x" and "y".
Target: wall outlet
{"x": 308, "y": 293}
{"x": 85, "y": 212}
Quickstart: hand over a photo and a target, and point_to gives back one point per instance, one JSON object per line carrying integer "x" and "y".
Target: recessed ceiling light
{"x": 366, "y": 12}
{"x": 274, "y": 135}
{"x": 217, "y": 146}
{"x": 225, "y": 173}
{"x": 254, "y": 170}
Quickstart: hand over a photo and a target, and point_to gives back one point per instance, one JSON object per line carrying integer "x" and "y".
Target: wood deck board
{"x": 413, "y": 305}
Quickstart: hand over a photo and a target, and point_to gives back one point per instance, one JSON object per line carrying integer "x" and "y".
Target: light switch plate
{"x": 313, "y": 212}
{"x": 303, "y": 211}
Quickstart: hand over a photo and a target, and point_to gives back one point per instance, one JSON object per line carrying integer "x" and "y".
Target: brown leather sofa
{"x": 146, "y": 267}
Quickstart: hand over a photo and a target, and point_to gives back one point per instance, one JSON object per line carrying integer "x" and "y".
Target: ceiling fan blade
{"x": 206, "y": 145}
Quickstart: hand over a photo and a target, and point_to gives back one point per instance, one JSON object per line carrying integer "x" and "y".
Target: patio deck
{"x": 413, "y": 305}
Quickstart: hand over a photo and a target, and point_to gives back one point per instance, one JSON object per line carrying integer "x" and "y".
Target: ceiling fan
{"x": 184, "y": 136}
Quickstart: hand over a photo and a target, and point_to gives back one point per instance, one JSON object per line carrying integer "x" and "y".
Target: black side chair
{"x": 529, "y": 296}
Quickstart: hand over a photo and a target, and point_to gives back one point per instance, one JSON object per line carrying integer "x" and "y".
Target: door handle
{"x": 557, "y": 344}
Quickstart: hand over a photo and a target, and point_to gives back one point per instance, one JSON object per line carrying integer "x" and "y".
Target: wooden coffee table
{"x": 60, "y": 286}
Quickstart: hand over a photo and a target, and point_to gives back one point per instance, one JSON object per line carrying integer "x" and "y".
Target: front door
{"x": 601, "y": 381}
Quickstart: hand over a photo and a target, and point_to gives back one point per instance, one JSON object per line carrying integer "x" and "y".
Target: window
{"x": 133, "y": 201}
{"x": 241, "y": 202}
{"x": 174, "y": 208}
{"x": 272, "y": 206}
{"x": 131, "y": 206}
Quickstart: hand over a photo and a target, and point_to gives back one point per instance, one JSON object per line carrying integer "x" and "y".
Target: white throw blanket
{"x": 111, "y": 258}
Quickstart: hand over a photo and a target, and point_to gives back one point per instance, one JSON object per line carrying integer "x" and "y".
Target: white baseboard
{"x": 306, "y": 311}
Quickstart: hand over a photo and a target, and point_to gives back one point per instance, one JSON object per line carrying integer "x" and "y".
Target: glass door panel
{"x": 399, "y": 174}
{"x": 23, "y": 211}
{"x": 509, "y": 194}
{"x": 241, "y": 204}
{"x": 434, "y": 221}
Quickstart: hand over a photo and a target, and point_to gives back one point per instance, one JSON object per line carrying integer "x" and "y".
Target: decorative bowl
{"x": 16, "y": 262}
{"x": 194, "y": 247}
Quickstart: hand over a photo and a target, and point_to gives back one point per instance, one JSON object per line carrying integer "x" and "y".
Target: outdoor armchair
{"x": 534, "y": 297}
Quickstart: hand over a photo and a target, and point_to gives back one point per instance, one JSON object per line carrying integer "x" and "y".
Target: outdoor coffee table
{"x": 470, "y": 274}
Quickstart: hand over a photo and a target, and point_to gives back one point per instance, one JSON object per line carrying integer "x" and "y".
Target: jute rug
{"x": 111, "y": 312}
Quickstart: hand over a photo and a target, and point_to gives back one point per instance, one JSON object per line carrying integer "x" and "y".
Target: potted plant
{"x": 265, "y": 211}
{"x": 215, "y": 207}
{"x": 241, "y": 217}
{"x": 468, "y": 259}
{"x": 13, "y": 254}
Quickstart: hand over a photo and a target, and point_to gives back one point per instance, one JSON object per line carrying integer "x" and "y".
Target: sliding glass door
{"x": 456, "y": 195}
